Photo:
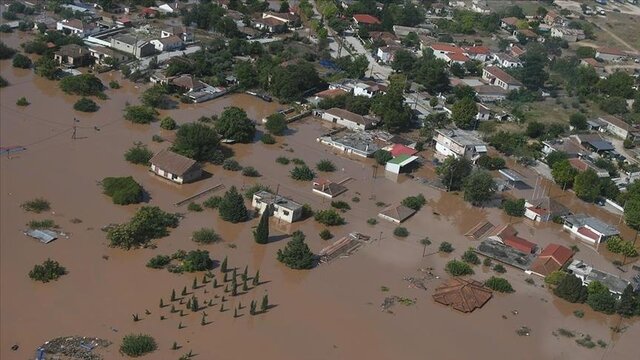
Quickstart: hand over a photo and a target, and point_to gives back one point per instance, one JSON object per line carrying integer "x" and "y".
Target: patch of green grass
{"x": 42, "y": 224}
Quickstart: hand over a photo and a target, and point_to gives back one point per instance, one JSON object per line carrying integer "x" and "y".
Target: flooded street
{"x": 330, "y": 312}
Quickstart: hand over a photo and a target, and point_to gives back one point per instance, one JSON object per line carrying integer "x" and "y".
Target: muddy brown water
{"x": 332, "y": 311}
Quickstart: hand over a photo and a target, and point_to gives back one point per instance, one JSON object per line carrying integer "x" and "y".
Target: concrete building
{"x": 571, "y": 35}
{"x": 506, "y": 61}
{"x": 498, "y": 77}
{"x": 348, "y": 119}
{"x": 588, "y": 274}
{"x": 281, "y": 207}
{"x": 369, "y": 89}
{"x": 169, "y": 43}
{"x": 610, "y": 54}
{"x": 77, "y": 27}
{"x": 357, "y": 143}
{"x": 291, "y": 20}
{"x": 175, "y": 167}
{"x": 441, "y": 50}
{"x": 459, "y": 143}
{"x": 618, "y": 127}
{"x": 396, "y": 213}
{"x": 183, "y": 32}
{"x": 131, "y": 45}
{"x": 72, "y": 55}
{"x": 480, "y": 53}
{"x": 588, "y": 228}
{"x": 387, "y": 53}
{"x": 102, "y": 55}
{"x": 544, "y": 209}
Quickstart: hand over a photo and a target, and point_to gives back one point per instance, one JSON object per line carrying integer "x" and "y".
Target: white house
{"x": 387, "y": 53}
{"x": 459, "y": 143}
{"x": 168, "y": 8}
{"x": 175, "y": 167}
{"x": 77, "y": 27}
{"x": 480, "y": 53}
{"x": 588, "y": 228}
{"x": 169, "y": 43}
{"x": 498, "y": 77}
{"x": 588, "y": 274}
{"x": 441, "y": 50}
{"x": 616, "y": 126}
{"x": 484, "y": 113}
{"x": 183, "y": 32}
{"x": 348, "y": 119}
{"x": 281, "y": 207}
{"x": 506, "y": 60}
{"x": 131, "y": 45}
{"x": 544, "y": 209}
{"x": 571, "y": 35}
{"x": 369, "y": 89}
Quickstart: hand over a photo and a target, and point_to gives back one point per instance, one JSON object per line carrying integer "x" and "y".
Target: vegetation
{"x": 571, "y": 289}
{"x": 159, "y": 262}
{"x": 23, "y": 102}
{"x": 555, "y": 277}
{"x": 5, "y": 51}
{"x": 3, "y": 82}
{"x": 341, "y": 205}
{"x": 137, "y": 345}
{"x": 123, "y": 190}
{"x": 196, "y": 260}
{"x": 21, "y": 61}
{"x": 372, "y": 221}
{"x": 205, "y": 236}
{"x": 148, "y": 223}
{"x": 231, "y": 165}
{"x": 36, "y": 205}
{"x": 248, "y": 194}
{"x": 514, "y": 207}
{"x": 261, "y": 233}
{"x": 42, "y": 224}
{"x": 382, "y": 156}
{"x": 282, "y": 160}
{"x": 276, "y": 124}
{"x": 139, "y": 114}
{"x": 325, "y": 234}
{"x": 400, "y": 232}
{"x": 453, "y": 172}
{"x": 196, "y": 141}
{"x": 296, "y": 254}
{"x": 414, "y": 202}
{"x": 479, "y": 187}
{"x": 617, "y": 245}
{"x": 49, "y": 270}
{"x": 499, "y": 284}
{"x": 234, "y": 124}
{"x": 138, "y": 154}
{"x": 232, "y": 208}
{"x": 302, "y": 173}
{"x": 114, "y": 84}
{"x": 491, "y": 163}
{"x": 329, "y": 218}
{"x": 326, "y": 166}
{"x": 86, "y": 105}
{"x": 458, "y": 268}
{"x": 267, "y": 139}
{"x": 470, "y": 257}
{"x": 499, "y": 269}
{"x": 250, "y": 171}
{"x": 600, "y": 298}
{"x": 212, "y": 202}
{"x": 84, "y": 84}
{"x": 167, "y": 123}
{"x": 445, "y": 247}
{"x": 157, "y": 97}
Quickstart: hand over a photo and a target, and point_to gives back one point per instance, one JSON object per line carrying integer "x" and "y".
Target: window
{"x": 285, "y": 212}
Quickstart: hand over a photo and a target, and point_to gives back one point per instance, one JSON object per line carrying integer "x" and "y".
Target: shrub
{"x": 42, "y": 224}
{"x": 329, "y": 218}
{"x": 250, "y": 171}
{"x": 86, "y": 105}
{"x": 282, "y": 160}
{"x": 232, "y": 207}
{"x": 137, "y": 345}
{"x": 168, "y": 123}
{"x": 445, "y": 247}
{"x": 123, "y": 190}
{"x": 458, "y": 268}
{"x": 499, "y": 284}
{"x": 268, "y": 139}
{"x": 296, "y": 254}
{"x": 414, "y": 202}
{"x": 302, "y": 173}
{"x": 571, "y": 289}
{"x": 21, "y": 61}
{"x": 3, "y": 82}
{"x": 159, "y": 261}
{"x": 248, "y": 194}
{"x": 499, "y": 269}
{"x": 213, "y": 202}
{"x": 382, "y": 156}
{"x": 49, "y": 270}
{"x": 139, "y": 114}
{"x": 617, "y": 245}
{"x": 341, "y": 205}
{"x": 401, "y": 231}
{"x": 195, "y": 207}
{"x": 231, "y": 165}
{"x": 36, "y": 205}
{"x": 372, "y": 221}
{"x": 491, "y": 163}
{"x": 276, "y": 124}
{"x": 157, "y": 138}
{"x": 326, "y": 166}
{"x": 85, "y": 85}
{"x": 486, "y": 262}
{"x": 205, "y": 236}
{"x": 138, "y": 154}
{"x": 298, "y": 161}
{"x": 23, "y": 102}
{"x": 514, "y": 207}
{"x": 197, "y": 260}
{"x": 555, "y": 277}
{"x": 5, "y": 51}
{"x": 325, "y": 234}
{"x": 470, "y": 257}
{"x": 114, "y": 84}
{"x": 578, "y": 313}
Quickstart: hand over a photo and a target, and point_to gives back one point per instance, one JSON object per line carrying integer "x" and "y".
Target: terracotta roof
{"x": 331, "y": 93}
{"x": 445, "y": 47}
{"x": 517, "y": 50}
{"x": 615, "y": 121}
{"x": 172, "y": 162}
{"x": 578, "y": 164}
{"x": 558, "y": 253}
{"x": 328, "y": 187}
{"x": 511, "y": 21}
{"x": 477, "y": 50}
{"x": 593, "y": 62}
{"x": 519, "y": 243}
{"x": 588, "y": 233}
{"x": 528, "y": 33}
{"x": 72, "y": 50}
{"x": 502, "y": 75}
{"x": 457, "y": 57}
{"x": 397, "y": 212}
{"x": 366, "y": 19}
{"x": 399, "y": 149}
{"x": 462, "y": 295}
{"x": 187, "y": 82}
{"x": 270, "y": 21}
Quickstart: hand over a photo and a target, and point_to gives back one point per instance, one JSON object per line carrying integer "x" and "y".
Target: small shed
{"x": 175, "y": 167}
{"x": 45, "y": 236}
{"x": 396, "y": 164}
{"x": 328, "y": 188}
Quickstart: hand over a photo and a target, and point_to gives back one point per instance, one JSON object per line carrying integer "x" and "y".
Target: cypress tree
{"x": 173, "y": 309}
{"x": 180, "y": 325}
{"x": 232, "y": 208}
{"x": 184, "y": 291}
{"x": 174, "y": 346}
{"x": 628, "y": 302}
{"x": 571, "y": 289}
{"x": 261, "y": 233}
{"x": 221, "y": 307}
{"x": 195, "y": 283}
{"x": 203, "y": 322}
{"x": 256, "y": 279}
{"x": 223, "y": 266}
{"x": 235, "y": 313}
{"x": 173, "y": 294}
{"x": 189, "y": 304}
{"x": 244, "y": 286}
{"x": 252, "y": 308}
{"x": 161, "y": 303}
{"x": 265, "y": 303}
{"x": 245, "y": 273}
{"x": 235, "y": 273}
{"x": 194, "y": 304}
{"x": 204, "y": 278}
{"x": 226, "y": 288}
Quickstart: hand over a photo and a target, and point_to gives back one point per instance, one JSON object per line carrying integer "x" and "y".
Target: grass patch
{"x": 42, "y": 224}
{"x": 205, "y": 236}
{"x": 283, "y": 160}
{"x": 37, "y": 205}
{"x": 195, "y": 207}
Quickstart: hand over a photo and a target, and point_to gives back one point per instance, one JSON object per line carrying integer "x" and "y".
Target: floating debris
{"x": 75, "y": 347}
{"x": 523, "y": 331}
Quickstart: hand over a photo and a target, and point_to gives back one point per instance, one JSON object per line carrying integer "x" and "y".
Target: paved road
{"x": 144, "y": 63}
{"x": 376, "y": 70}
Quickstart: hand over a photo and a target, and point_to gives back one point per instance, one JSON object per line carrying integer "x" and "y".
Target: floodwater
{"x": 332, "y": 311}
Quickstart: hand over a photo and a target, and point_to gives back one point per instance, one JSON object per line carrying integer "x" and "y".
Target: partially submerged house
{"x": 348, "y": 119}
{"x": 497, "y": 250}
{"x": 132, "y": 45}
{"x": 396, "y": 164}
{"x": 544, "y": 209}
{"x": 281, "y": 207}
{"x": 358, "y": 143}
{"x": 327, "y": 188}
{"x": 462, "y": 295}
{"x": 459, "y": 143}
{"x": 175, "y": 167}
{"x": 588, "y": 274}
{"x": 396, "y": 213}
{"x": 72, "y": 55}
{"x": 508, "y": 235}
{"x": 588, "y": 228}
{"x": 551, "y": 259}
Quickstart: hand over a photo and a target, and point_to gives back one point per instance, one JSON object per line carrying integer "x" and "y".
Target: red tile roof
{"x": 477, "y": 50}
{"x": 399, "y": 149}
{"x": 512, "y": 21}
{"x": 458, "y": 57}
{"x": 502, "y": 75}
{"x": 445, "y": 47}
{"x": 611, "y": 51}
{"x": 463, "y": 295}
{"x": 578, "y": 164}
{"x": 588, "y": 233}
{"x": 519, "y": 243}
{"x": 558, "y": 253}
{"x": 366, "y": 19}
{"x": 331, "y": 93}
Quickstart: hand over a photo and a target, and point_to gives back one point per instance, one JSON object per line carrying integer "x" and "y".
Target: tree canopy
{"x": 464, "y": 113}
{"x": 234, "y": 124}
{"x": 232, "y": 208}
{"x": 196, "y": 141}
{"x": 453, "y": 172}
{"x": 479, "y": 187}
{"x": 296, "y": 254}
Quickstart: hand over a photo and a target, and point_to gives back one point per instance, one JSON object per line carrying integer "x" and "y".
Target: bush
{"x": 329, "y": 218}
{"x": 138, "y": 154}
{"x": 42, "y": 224}
{"x": 414, "y": 202}
{"x": 5, "y": 51}
{"x": 341, "y": 205}
{"x": 159, "y": 261}
{"x": 283, "y": 160}
{"x": 232, "y": 208}
{"x": 499, "y": 284}
{"x": 157, "y": 138}
{"x": 382, "y": 156}
{"x": 197, "y": 260}
{"x": 491, "y": 163}
{"x": 499, "y": 269}
{"x": 325, "y": 234}
{"x": 137, "y": 345}
{"x": 276, "y": 124}
{"x": 571, "y": 289}
{"x": 3, "y": 82}
{"x": 513, "y": 207}
{"x": 123, "y": 190}
{"x": 85, "y": 85}
{"x": 36, "y": 205}
{"x": 372, "y": 221}
{"x": 21, "y": 61}
{"x": 326, "y": 166}
{"x": 231, "y": 165}
{"x": 296, "y": 254}
{"x": 302, "y": 173}
{"x": 555, "y": 277}
{"x": 458, "y": 268}
{"x": 168, "y": 123}
{"x": 250, "y": 171}
{"x": 139, "y": 114}
{"x": 617, "y": 245}
{"x": 213, "y": 202}
{"x": 23, "y": 102}
{"x": 268, "y": 139}
{"x": 486, "y": 262}
{"x": 445, "y": 247}
{"x": 205, "y": 236}
{"x": 401, "y": 231}
{"x": 298, "y": 161}
{"x": 195, "y": 207}
{"x": 470, "y": 257}
{"x": 86, "y": 105}
{"x": 199, "y": 142}
{"x": 49, "y": 270}
{"x": 114, "y": 84}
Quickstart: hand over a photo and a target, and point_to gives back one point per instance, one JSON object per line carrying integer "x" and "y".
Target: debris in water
{"x": 75, "y": 347}
{"x": 15, "y": 347}
{"x": 523, "y": 331}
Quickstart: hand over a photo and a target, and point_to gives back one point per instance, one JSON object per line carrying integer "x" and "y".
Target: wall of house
{"x": 358, "y": 91}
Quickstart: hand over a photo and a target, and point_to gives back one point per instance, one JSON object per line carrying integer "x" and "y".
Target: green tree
{"x": 535, "y": 129}
{"x": 197, "y": 260}
{"x": 617, "y": 245}
{"x": 403, "y": 61}
{"x": 584, "y": 52}
{"x": 618, "y": 84}
{"x": 325, "y": 165}
{"x": 85, "y": 85}
{"x": 86, "y": 105}
{"x": 554, "y": 157}
{"x": 600, "y": 299}
{"x": 470, "y": 257}
{"x": 514, "y": 207}
{"x": 571, "y": 289}
{"x": 46, "y": 67}
{"x": 578, "y": 121}
{"x": 563, "y": 173}
{"x": 584, "y": 185}
{"x": 138, "y": 154}
{"x": 382, "y": 156}
{"x": 414, "y": 202}
{"x": 499, "y": 284}
{"x": 614, "y": 105}
{"x": 196, "y": 141}
{"x": 632, "y": 212}
{"x": 232, "y": 208}
{"x": 453, "y": 172}
{"x": 246, "y": 74}
{"x": 479, "y": 187}
{"x": 137, "y": 345}
{"x": 464, "y": 113}
{"x": 139, "y": 114}
{"x": 21, "y": 61}
{"x": 261, "y": 233}
{"x": 629, "y": 301}
{"x": 302, "y": 173}
{"x": 276, "y": 124}
{"x": 296, "y": 254}
{"x": 168, "y": 123}
{"x": 533, "y": 74}
{"x": 49, "y": 270}
{"x": 329, "y": 217}
{"x": 149, "y": 222}
{"x": 491, "y": 163}
{"x": 234, "y": 124}
{"x": 156, "y": 97}
{"x": 123, "y": 190}
{"x": 458, "y": 268}
{"x": 395, "y": 114}
{"x": 265, "y": 303}
{"x": 5, "y": 51}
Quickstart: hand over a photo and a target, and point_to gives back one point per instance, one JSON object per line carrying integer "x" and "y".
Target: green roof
{"x": 399, "y": 159}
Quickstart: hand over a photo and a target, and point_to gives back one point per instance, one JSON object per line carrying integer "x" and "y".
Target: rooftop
{"x": 502, "y": 75}
{"x": 580, "y": 220}
{"x": 397, "y": 212}
{"x": 278, "y": 200}
{"x": 348, "y": 115}
{"x": 357, "y": 140}
{"x": 366, "y": 19}
{"x": 461, "y": 137}
{"x": 615, "y": 121}
{"x": 398, "y": 149}
{"x": 461, "y": 294}
{"x": 589, "y": 274}
{"x": 611, "y": 51}
{"x": 171, "y": 162}
{"x": 72, "y": 50}
{"x": 505, "y": 254}
{"x": 445, "y": 47}
{"x": 330, "y": 93}
{"x": 328, "y": 187}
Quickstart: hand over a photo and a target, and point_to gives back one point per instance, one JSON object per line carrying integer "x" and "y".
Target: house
{"x": 387, "y": 53}
{"x": 484, "y": 113}
{"x": 462, "y": 295}
{"x": 456, "y": 57}
{"x": 496, "y": 250}
{"x": 528, "y": 34}
{"x": 584, "y": 164}
{"x": 72, "y": 55}
{"x": 610, "y": 54}
{"x": 368, "y": 89}
{"x": 400, "y": 149}
{"x": 77, "y": 27}
{"x": 270, "y": 25}
{"x": 552, "y": 258}
{"x": 588, "y": 274}
{"x": 616, "y": 126}
{"x": 597, "y": 65}
{"x": 175, "y": 167}
{"x": 593, "y": 142}
{"x": 383, "y": 36}
{"x": 104, "y": 55}
{"x": 396, "y": 164}
{"x": 552, "y": 18}
{"x": 237, "y": 17}
{"x": 544, "y": 209}
{"x": 280, "y": 207}
{"x": 480, "y": 7}
{"x": 506, "y": 61}
{"x": 357, "y": 143}
{"x": 589, "y": 228}
{"x": 291, "y": 20}
{"x": 327, "y": 188}
{"x": 571, "y": 35}
{"x": 480, "y": 53}
{"x": 326, "y": 94}
{"x": 441, "y": 50}
{"x": 459, "y": 143}
{"x": 183, "y": 32}
{"x": 498, "y": 77}
{"x": 516, "y": 51}
{"x": 365, "y": 19}
{"x": 169, "y": 43}
{"x": 396, "y": 213}
{"x": 568, "y": 146}
{"x": 348, "y": 119}
{"x": 169, "y": 8}
{"x": 131, "y": 45}
{"x": 508, "y": 235}
{"x": 490, "y": 93}
{"x": 188, "y": 83}
{"x": 509, "y": 23}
